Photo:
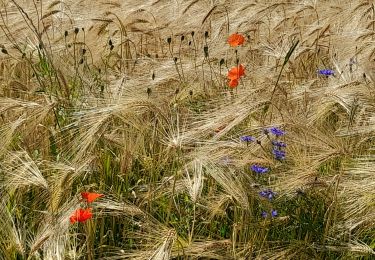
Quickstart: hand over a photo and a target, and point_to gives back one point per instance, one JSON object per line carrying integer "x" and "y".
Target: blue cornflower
{"x": 269, "y": 194}
{"x": 247, "y": 138}
{"x": 279, "y": 154}
{"x": 259, "y": 169}
{"x": 326, "y": 72}
{"x": 273, "y": 213}
{"x": 278, "y": 143}
{"x": 276, "y": 131}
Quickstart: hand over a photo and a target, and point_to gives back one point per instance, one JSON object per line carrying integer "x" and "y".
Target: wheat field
{"x": 129, "y": 101}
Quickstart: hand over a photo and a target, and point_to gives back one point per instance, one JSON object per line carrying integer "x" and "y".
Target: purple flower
{"x": 276, "y": 131}
{"x": 279, "y": 154}
{"x": 326, "y": 72}
{"x": 259, "y": 169}
{"x": 247, "y": 138}
{"x": 273, "y": 213}
{"x": 278, "y": 143}
{"x": 269, "y": 194}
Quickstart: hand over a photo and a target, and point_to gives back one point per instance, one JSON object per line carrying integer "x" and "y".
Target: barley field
{"x": 187, "y": 129}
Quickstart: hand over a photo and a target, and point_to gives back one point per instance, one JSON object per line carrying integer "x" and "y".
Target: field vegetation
{"x": 141, "y": 130}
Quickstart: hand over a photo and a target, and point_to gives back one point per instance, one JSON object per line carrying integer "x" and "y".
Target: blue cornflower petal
{"x": 259, "y": 169}
{"x": 274, "y": 213}
{"x": 278, "y": 143}
{"x": 264, "y": 214}
{"x": 269, "y": 194}
{"x": 247, "y": 138}
{"x": 279, "y": 154}
{"x": 276, "y": 131}
{"x": 326, "y": 72}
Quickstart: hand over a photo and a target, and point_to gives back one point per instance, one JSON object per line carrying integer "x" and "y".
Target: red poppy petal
{"x": 86, "y": 214}
{"x": 81, "y": 215}
{"x": 233, "y": 83}
{"x": 93, "y": 196}
{"x": 84, "y": 194}
{"x": 73, "y": 219}
{"x": 236, "y": 72}
{"x": 236, "y": 39}
{"x": 232, "y": 74}
{"x": 90, "y": 196}
{"x": 241, "y": 70}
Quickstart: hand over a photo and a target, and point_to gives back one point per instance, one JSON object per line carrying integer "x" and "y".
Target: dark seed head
{"x": 149, "y": 91}
{"x": 40, "y": 45}
{"x": 81, "y": 61}
{"x": 169, "y": 40}
{"x": 66, "y": 33}
{"x": 205, "y": 49}
{"x": 182, "y": 37}
{"x": 110, "y": 42}
{"x": 206, "y": 34}
{"x": 192, "y": 33}
{"x": 190, "y": 92}
{"x": 177, "y": 91}
{"x": 76, "y": 30}
{"x": 83, "y": 51}
{"x": 111, "y": 47}
{"x": 153, "y": 75}
{"x": 83, "y": 29}
{"x": 175, "y": 59}
{"x": 189, "y": 43}
{"x": 222, "y": 62}
{"x": 4, "y": 51}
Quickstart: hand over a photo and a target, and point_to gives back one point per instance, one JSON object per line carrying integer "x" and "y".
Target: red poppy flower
{"x": 90, "y": 196}
{"x": 81, "y": 215}
{"x": 236, "y": 40}
{"x": 233, "y": 83}
{"x": 236, "y": 72}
